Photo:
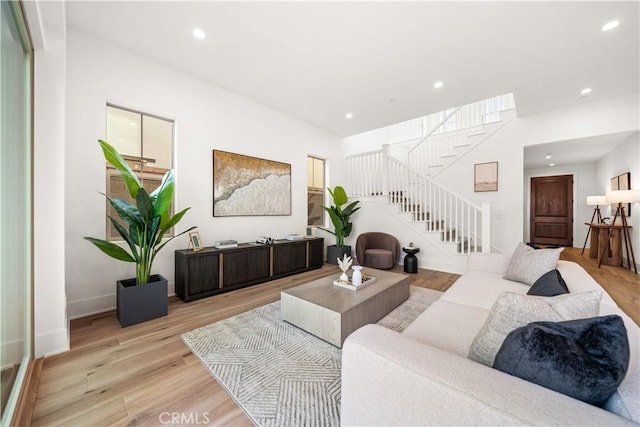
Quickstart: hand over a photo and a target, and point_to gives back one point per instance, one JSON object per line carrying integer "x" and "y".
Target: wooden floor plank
{"x": 133, "y": 376}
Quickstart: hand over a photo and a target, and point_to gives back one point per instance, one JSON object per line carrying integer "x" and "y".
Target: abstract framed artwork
{"x": 250, "y": 186}
{"x": 485, "y": 177}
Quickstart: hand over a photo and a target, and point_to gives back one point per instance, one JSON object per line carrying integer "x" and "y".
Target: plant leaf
{"x": 145, "y": 206}
{"x": 339, "y": 196}
{"x": 111, "y": 249}
{"x": 170, "y": 223}
{"x": 168, "y": 240}
{"x": 153, "y": 230}
{"x": 125, "y": 210}
{"x": 125, "y": 235}
{"x": 350, "y": 209}
{"x": 163, "y": 195}
{"x": 130, "y": 178}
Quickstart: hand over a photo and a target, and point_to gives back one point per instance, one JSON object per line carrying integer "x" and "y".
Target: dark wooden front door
{"x": 552, "y": 210}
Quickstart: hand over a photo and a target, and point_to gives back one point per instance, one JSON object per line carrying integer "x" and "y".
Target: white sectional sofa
{"x": 424, "y": 377}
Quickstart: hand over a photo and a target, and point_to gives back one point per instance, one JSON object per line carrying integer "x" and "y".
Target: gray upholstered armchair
{"x": 377, "y": 250}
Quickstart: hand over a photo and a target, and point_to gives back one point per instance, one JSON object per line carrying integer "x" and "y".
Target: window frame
{"x": 317, "y": 190}
{"x": 139, "y": 167}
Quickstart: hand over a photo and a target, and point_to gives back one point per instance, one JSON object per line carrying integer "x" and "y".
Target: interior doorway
{"x": 551, "y": 212}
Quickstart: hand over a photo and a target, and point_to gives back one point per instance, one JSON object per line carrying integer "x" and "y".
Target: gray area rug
{"x": 281, "y": 375}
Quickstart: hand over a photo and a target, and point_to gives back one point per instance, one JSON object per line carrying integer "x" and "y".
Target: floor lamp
{"x": 594, "y": 201}
{"x": 622, "y": 197}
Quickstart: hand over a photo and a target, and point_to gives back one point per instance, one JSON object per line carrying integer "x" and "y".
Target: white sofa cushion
{"x": 481, "y": 289}
{"x": 511, "y": 311}
{"x": 444, "y": 320}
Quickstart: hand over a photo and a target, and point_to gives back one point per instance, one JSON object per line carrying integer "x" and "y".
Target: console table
{"x": 598, "y": 245}
{"x": 211, "y": 271}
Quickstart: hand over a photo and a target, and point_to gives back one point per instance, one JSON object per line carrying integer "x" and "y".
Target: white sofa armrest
{"x": 489, "y": 262}
{"x": 390, "y": 379}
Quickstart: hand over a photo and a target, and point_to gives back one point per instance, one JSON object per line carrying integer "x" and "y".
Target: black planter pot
{"x": 137, "y": 304}
{"x": 334, "y": 252}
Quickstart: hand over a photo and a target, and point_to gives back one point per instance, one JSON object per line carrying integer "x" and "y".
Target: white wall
{"x": 584, "y": 183}
{"x": 506, "y": 146}
{"x": 47, "y": 28}
{"x": 50, "y": 302}
{"x": 624, "y": 158}
{"x": 206, "y": 118}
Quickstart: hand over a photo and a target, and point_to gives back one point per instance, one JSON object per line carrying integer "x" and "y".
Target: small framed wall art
{"x": 196, "y": 241}
{"x": 310, "y": 232}
{"x": 485, "y": 177}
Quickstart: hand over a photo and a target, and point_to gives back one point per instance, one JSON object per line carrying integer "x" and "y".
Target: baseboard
{"x": 52, "y": 343}
{"x": 100, "y": 304}
{"x": 89, "y": 306}
{"x": 12, "y": 351}
{"x": 27, "y": 398}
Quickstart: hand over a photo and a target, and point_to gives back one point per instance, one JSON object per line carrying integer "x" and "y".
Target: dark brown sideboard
{"x": 212, "y": 271}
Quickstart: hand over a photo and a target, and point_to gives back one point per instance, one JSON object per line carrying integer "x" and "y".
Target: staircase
{"x": 402, "y": 175}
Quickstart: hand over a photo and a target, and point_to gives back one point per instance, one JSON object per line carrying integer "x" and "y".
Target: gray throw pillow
{"x": 528, "y": 264}
{"x": 511, "y": 311}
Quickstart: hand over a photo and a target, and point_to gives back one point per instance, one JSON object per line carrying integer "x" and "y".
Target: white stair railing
{"x": 453, "y": 132}
{"x": 458, "y": 220}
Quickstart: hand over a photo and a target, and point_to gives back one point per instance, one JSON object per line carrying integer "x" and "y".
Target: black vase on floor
{"x": 137, "y": 304}
{"x": 334, "y": 252}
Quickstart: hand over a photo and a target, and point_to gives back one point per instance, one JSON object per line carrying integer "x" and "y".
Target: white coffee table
{"x": 332, "y": 313}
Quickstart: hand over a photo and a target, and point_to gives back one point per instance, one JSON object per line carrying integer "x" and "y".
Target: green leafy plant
{"x": 340, "y": 217}
{"x": 148, "y": 220}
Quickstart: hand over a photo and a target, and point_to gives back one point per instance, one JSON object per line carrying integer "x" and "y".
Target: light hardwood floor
{"x": 135, "y": 375}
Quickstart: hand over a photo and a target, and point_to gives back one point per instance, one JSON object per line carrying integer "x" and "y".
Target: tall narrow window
{"x": 146, "y": 143}
{"x": 15, "y": 206}
{"x": 315, "y": 191}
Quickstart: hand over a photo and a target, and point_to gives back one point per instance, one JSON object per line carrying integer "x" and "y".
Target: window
{"x": 16, "y": 246}
{"x": 315, "y": 191}
{"x": 146, "y": 143}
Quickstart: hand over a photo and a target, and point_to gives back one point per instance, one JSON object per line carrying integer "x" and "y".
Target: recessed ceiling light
{"x": 548, "y": 156}
{"x": 552, "y": 164}
{"x": 199, "y": 34}
{"x": 586, "y": 91}
{"x": 348, "y": 115}
{"x": 610, "y": 25}
{"x": 438, "y": 85}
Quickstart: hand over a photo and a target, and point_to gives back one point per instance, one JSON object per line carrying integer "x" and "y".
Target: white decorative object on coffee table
{"x": 344, "y": 264}
{"x": 366, "y": 281}
{"x": 356, "y": 277}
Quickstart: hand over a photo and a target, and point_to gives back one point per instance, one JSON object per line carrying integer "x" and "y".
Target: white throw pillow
{"x": 511, "y": 311}
{"x": 528, "y": 264}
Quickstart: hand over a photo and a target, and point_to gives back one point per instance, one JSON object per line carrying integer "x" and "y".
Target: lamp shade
{"x": 623, "y": 196}
{"x": 596, "y": 200}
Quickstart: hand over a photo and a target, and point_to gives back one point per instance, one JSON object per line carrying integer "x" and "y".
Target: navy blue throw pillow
{"x": 586, "y": 359}
{"x": 549, "y": 284}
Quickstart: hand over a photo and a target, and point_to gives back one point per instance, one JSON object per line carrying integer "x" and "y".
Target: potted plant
{"x": 341, "y": 224}
{"x": 144, "y": 297}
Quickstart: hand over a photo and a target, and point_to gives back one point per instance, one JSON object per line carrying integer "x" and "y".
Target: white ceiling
{"x": 379, "y": 60}
{"x": 573, "y": 152}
